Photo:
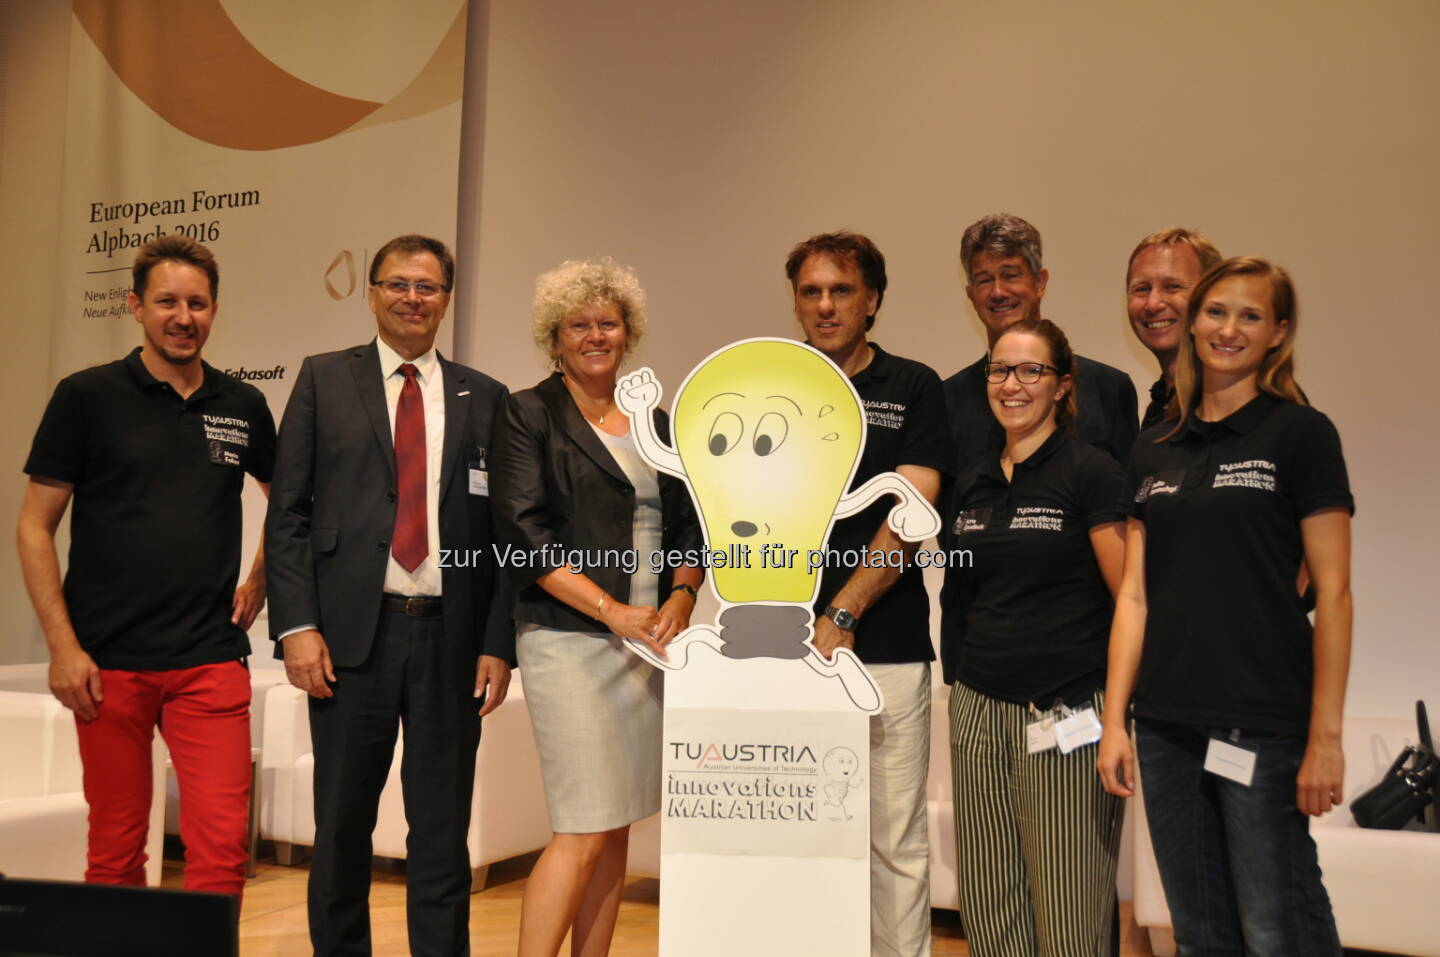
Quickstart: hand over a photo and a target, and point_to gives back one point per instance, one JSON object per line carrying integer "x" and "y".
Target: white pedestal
{"x": 765, "y": 812}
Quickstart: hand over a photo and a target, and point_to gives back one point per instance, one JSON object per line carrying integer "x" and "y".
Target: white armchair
{"x": 1381, "y": 883}
{"x": 262, "y": 679}
{"x": 507, "y": 815}
{"x": 43, "y": 814}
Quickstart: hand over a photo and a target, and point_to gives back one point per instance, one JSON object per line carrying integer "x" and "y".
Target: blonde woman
{"x": 571, "y": 491}
{"x": 1211, "y": 642}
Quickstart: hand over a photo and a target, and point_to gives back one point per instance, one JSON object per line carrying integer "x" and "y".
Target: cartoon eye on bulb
{"x": 768, "y": 434}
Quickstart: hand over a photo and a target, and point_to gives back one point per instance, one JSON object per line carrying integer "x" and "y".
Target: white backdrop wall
{"x": 697, "y": 142}
{"x": 34, "y": 74}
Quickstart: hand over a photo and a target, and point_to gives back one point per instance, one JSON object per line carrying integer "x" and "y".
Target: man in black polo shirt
{"x": 149, "y": 627}
{"x": 881, "y": 613}
{"x": 1005, "y": 280}
{"x": 1163, "y": 269}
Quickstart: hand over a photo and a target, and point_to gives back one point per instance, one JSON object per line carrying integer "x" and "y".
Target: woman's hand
{"x": 674, "y": 616}
{"x": 1322, "y": 770}
{"x": 638, "y": 622}
{"x": 1115, "y": 760}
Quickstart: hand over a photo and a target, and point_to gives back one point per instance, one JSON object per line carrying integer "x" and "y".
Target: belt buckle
{"x": 415, "y": 607}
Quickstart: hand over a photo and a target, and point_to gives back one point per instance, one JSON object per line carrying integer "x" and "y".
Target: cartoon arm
{"x": 637, "y": 394}
{"x": 679, "y": 649}
{"x": 913, "y": 518}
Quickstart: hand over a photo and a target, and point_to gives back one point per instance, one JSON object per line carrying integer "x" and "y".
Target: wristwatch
{"x": 843, "y": 619}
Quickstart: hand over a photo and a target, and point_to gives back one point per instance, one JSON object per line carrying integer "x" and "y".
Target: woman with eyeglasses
{"x": 1237, "y": 697}
{"x": 1023, "y": 635}
{"x": 574, "y": 497}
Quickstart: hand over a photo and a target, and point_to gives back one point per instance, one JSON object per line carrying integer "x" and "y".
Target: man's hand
{"x": 249, "y": 599}
{"x": 307, "y": 663}
{"x": 75, "y": 681}
{"x": 829, "y": 636}
{"x": 492, "y": 681}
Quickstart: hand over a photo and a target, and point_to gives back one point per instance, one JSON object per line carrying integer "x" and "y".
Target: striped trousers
{"x": 1037, "y": 837}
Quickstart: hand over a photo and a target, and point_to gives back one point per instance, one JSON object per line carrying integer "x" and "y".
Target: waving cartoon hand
{"x": 637, "y": 395}
{"x": 637, "y": 392}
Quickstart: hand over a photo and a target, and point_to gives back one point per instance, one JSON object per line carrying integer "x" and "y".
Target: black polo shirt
{"x": 1030, "y": 619}
{"x": 1227, "y": 641}
{"x": 904, "y": 425}
{"x": 155, "y": 527}
{"x": 1160, "y": 395}
{"x": 1106, "y": 419}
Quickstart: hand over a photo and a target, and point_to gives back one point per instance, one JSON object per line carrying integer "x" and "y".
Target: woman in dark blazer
{"x": 586, "y": 522}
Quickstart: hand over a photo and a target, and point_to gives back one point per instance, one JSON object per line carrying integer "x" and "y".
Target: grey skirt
{"x": 597, "y": 712}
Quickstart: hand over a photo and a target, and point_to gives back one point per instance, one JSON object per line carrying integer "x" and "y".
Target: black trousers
{"x": 410, "y": 678}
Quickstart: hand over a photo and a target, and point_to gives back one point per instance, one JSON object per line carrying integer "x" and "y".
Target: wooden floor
{"x": 272, "y": 918}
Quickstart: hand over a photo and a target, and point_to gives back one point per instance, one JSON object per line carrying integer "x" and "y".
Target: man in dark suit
{"x": 386, "y": 598}
{"x": 1005, "y": 281}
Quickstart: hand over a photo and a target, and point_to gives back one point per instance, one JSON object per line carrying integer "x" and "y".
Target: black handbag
{"x": 1407, "y": 789}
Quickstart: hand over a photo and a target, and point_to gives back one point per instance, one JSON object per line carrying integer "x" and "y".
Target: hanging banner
{"x": 291, "y": 139}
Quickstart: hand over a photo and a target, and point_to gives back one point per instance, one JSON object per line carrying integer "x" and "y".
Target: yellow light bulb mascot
{"x": 768, "y": 434}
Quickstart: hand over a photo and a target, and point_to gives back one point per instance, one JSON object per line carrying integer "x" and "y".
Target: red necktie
{"x": 409, "y": 543}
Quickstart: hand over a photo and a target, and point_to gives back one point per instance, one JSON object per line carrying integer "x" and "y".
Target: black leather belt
{"x": 419, "y": 606}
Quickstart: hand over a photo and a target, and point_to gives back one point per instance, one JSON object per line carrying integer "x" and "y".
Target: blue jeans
{"x": 1237, "y": 863}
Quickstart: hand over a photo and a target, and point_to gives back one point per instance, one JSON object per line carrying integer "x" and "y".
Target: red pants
{"x": 204, "y": 715}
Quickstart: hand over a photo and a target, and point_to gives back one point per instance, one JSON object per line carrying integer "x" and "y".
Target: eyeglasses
{"x": 1027, "y": 373}
{"x": 401, "y": 287}
{"x": 579, "y": 330}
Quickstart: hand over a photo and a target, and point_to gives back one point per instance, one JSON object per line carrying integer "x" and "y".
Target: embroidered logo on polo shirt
{"x": 971, "y": 520}
{"x": 885, "y": 415}
{"x": 1161, "y": 483}
{"x": 1251, "y": 473}
{"x": 226, "y": 437}
{"x": 1038, "y": 516}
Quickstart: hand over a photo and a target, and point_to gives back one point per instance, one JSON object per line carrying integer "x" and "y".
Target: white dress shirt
{"x": 425, "y": 579}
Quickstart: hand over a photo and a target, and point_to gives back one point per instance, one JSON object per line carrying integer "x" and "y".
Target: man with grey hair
{"x": 1005, "y": 281}
{"x": 1163, "y": 269}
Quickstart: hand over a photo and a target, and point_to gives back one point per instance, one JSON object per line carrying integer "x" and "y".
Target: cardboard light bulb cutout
{"x": 766, "y": 741}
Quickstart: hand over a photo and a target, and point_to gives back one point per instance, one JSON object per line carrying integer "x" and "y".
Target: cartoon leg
{"x": 679, "y": 648}
{"x": 856, "y": 680}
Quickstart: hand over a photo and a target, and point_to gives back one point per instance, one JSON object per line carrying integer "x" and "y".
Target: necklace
{"x": 577, "y": 394}
{"x": 598, "y": 421}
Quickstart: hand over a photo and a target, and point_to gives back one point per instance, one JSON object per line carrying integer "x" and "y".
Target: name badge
{"x": 1079, "y": 729}
{"x": 1040, "y": 735}
{"x": 1230, "y": 761}
{"x": 479, "y": 482}
{"x": 971, "y": 520}
{"x": 1168, "y": 482}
